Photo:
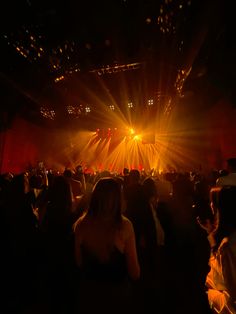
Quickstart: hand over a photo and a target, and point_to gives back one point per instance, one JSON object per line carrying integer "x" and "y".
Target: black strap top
{"x": 114, "y": 269}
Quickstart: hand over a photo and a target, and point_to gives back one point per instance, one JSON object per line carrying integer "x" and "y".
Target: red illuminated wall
{"x": 24, "y": 143}
{"x": 18, "y": 146}
{"x": 221, "y": 133}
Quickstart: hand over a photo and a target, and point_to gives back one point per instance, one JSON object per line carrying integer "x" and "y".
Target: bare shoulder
{"x": 226, "y": 246}
{"x": 126, "y": 221}
{"x": 127, "y": 225}
{"x": 78, "y": 225}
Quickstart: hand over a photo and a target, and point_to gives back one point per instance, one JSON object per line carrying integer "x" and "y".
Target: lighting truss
{"x": 108, "y": 69}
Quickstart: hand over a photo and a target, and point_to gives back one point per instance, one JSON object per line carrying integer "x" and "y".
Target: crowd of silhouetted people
{"x": 134, "y": 242}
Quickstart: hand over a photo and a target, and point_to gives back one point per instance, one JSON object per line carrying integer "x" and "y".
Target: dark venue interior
{"x": 59, "y": 58}
{"x": 111, "y": 85}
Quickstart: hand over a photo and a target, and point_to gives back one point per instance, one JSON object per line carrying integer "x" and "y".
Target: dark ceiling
{"x": 58, "y": 54}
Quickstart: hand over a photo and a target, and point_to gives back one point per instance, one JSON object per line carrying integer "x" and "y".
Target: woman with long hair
{"x": 221, "y": 279}
{"x": 105, "y": 250}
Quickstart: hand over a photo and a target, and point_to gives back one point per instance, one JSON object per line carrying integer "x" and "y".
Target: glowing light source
{"x": 150, "y": 102}
{"x": 137, "y": 138}
{"x": 74, "y": 110}
{"x": 181, "y": 78}
{"x": 130, "y": 105}
{"x": 58, "y": 79}
{"x": 47, "y": 113}
{"x": 87, "y": 109}
{"x": 109, "y": 69}
{"x": 169, "y": 11}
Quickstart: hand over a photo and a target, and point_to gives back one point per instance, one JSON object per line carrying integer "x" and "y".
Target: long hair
{"x": 105, "y": 201}
{"x": 59, "y": 192}
{"x": 149, "y": 188}
{"x": 224, "y": 200}
{"x": 19, "y": 186}
{"x": 58, "y": 211}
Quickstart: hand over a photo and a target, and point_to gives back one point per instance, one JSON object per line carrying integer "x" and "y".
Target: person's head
{"x": 36, "y": 181}
{"x": 231, "y": 164}
{"x": 19, "y": 185}
{"x": 223, "y": 173}
{"x": 60, "y": 193}
{"x": 105, "y": 200}
{"x": 79, "y": 170}
{"x": 134, "y": 176}
{"x": 149, "y": 188}
{"x": 8, "y": 176}
{"x": 223, "y": 204}
{"x": 202, "y": 210}
{"x": 125, "y": 171}
{"x": 68, "y": 173}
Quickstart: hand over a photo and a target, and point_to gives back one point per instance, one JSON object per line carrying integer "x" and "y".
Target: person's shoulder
{"x": 125, "y": 220}
{"x": 227, "y": 247}
{"x": 79, "y": 223}
{"x": 224, "y": 244}
{"x": 127, "y": 225}
{"x": 228, "y": 242}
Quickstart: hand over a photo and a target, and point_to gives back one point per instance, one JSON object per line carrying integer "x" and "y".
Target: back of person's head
{"x": 231, "y": 164}
{"x": 149, "y": 188}
{"x": 125, "y": 171}
{"x": 36, "y": 181}
{"x": 105, "y": 174}
{"x": 68, "y": 173}
{"x": 134, "y": 176}
{"x": 8, "y": 176}
{"x": 223, "y": 173}
{"x": 19, "y": 185}
{"x": 223, "y": 200}
{"x": 182, "y": 187}
{"x": 105, "y": 200}
{"x": 59, "y": 193}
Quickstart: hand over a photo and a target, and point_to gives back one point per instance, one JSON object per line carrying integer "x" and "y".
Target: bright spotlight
{"x": 137, "y": 138}
{"x": 87, "y": 109}
{"x": 150, "y": 102}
